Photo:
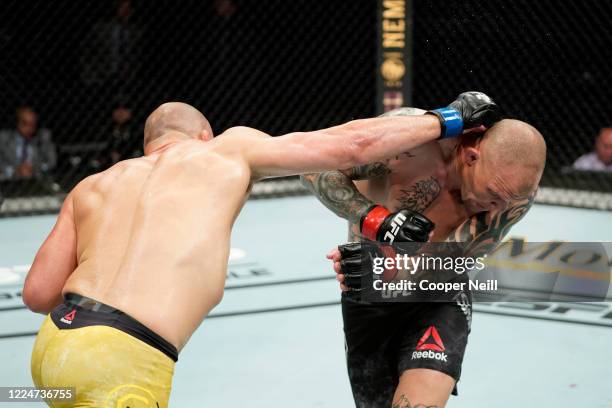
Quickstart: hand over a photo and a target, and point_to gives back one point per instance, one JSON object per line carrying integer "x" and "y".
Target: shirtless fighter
{"x": 138, "y": 255}
{"x": 473, "y": 188}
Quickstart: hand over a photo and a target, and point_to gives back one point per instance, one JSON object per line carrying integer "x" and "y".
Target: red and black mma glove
{"x": 470, "y": 110}
{"x": 378, "y": 224}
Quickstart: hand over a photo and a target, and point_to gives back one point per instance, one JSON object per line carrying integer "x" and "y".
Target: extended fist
{"x": 470, "y": 110}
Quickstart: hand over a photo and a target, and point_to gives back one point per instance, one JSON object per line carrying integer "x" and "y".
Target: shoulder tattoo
{"x": 420, "y": 195}
{"x": 482, "y": 235}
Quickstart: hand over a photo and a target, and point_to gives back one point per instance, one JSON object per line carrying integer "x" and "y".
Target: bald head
{"x": 515, "y": 144}
{"x": 175, "y": 117}
{"x": 502, "y": 167}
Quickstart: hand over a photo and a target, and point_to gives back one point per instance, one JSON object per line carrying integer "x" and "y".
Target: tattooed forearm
{"x": 368, "y": 171}
{"x": 481, "y": 236}
{"x": 338, "y": 193}
{"x": 404, "y": 403}
{"x": 420, "y": 195}
{"x": 354, "y": 232}
{"x": 336, "y": 190}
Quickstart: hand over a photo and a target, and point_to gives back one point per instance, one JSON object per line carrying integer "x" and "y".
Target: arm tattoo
{"x": 338, "y": 193}
{"x": 481, "y": 236}
{"x": 420, "y": 195}
{"x": 404, "y": 403}
{"x": 368, "y": 171}
{"x": 336, "y": 190}
{"x": 365, "y": 172}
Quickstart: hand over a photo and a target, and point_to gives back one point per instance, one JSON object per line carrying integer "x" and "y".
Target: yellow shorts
{"x": 106, "y": 366}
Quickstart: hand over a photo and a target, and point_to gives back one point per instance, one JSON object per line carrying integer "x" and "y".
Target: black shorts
{"x": 385, "y": 339}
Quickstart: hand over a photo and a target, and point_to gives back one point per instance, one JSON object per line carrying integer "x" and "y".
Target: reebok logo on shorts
{"x": 69, "y": 317}
{"x": 430, "y": 346}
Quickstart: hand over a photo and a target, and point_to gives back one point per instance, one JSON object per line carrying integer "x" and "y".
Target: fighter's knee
{"x": 403, "y": 401}
{"x": 422, "y": 387}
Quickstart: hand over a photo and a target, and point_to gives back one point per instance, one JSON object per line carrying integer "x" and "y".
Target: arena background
{"x": 293, "y": 65}
{"x": 283, "y": 66}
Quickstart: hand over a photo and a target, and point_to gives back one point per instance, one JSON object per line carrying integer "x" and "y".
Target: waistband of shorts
{"x": 100, "y": 314}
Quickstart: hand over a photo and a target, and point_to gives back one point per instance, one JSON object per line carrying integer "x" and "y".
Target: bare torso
{"x": 417, "y": 181}
{"x": 153, "y": 234}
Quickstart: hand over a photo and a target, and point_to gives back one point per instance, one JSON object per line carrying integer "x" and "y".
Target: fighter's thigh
{"x": 47, "y": 332}
{"x": 423, "y": 388}
{"x": 371, "y": 352}
{"x": 437, "y": 340}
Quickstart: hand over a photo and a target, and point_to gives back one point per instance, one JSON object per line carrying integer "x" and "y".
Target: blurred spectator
{"x": 601, "y": 158}
{"x": 225, "y": 8}
{"x": 224, "y": 12}
{"x": 111, "y": 50}
{"x": 26, "y": 152}
{"x": 125, "y": 142}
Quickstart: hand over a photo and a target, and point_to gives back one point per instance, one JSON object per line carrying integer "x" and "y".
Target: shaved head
{"x": 501, "y": 167}
{"x": 515, "y": 148}
{"x": 175, "y": 117}
{"x": 512, "y": 142}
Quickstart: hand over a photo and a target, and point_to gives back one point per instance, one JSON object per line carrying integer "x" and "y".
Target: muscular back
{"x": 153, "y": 235}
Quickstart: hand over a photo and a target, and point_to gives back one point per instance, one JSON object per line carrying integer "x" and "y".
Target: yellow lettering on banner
{"x": 393, "y": 36}
{"x": 394, "y": 26}
{"x": 393, "y": 40}
{"x": 394, "y": 9}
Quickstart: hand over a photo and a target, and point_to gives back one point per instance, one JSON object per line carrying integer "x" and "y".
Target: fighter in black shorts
{"x": 474, "y": 186}
{"x": 385, "y": 340}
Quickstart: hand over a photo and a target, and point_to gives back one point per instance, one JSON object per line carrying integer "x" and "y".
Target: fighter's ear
{"x": 470, "y": 155}
{"x": 205, "y": 135}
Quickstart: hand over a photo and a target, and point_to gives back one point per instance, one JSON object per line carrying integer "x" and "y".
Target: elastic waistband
{"x": 89, "y": 304}
{"x": 80, "y": 311}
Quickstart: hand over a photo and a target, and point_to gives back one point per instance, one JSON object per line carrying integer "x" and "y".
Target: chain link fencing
{"x": 90, "y": 72}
